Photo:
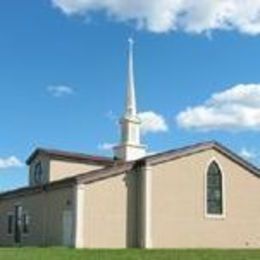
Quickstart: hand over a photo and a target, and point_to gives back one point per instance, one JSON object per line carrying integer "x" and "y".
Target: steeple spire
{"x": 130, "y": 148}
{"x": 131, "y": 99}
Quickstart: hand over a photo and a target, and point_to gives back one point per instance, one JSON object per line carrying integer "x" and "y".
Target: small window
{"x": 214, "y": 190}
{"x": 10, "y": 224}
{"x": 25, "y": 223}
{"x": 38, "y": 173}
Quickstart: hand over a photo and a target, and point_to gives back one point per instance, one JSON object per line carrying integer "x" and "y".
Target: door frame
{"x": 67, "y": 227}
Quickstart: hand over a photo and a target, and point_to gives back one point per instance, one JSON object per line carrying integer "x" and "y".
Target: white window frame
{"x": 35, "y": 181}
{"x": 28, "y": 233}
{"x": 10, "y": 214}
{"x": 223, "y": 179}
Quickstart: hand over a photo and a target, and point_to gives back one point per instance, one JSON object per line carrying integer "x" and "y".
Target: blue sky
{"x": 82, "y": 55}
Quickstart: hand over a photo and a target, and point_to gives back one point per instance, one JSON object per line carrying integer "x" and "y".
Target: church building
{"x": 199, "y": 196}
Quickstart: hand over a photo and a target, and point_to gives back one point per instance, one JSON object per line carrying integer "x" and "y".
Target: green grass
{"x": 72, "y": 254}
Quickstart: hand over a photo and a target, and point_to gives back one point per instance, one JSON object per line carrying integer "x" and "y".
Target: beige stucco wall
{"x": 178, "y": 201}
{"x": 110, "y": 213}
{"x": 45, "y": 211}
{"x": 60, "y": 169}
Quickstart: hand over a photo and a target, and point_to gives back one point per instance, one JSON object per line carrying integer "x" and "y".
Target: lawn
{"x": 71, "y": 254}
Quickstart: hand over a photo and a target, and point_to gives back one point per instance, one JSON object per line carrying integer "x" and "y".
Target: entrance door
{"x": 18, "y": 224}
{"x": 67, "y": 222}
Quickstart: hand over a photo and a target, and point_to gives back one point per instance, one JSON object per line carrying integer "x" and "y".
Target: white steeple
{"x": 131, "y": 99}
{"x": 130, "y": 147}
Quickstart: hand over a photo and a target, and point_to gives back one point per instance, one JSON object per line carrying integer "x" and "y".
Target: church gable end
{"x": 181, "y": 194}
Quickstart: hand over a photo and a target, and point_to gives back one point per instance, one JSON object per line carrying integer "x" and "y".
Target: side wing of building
{"x": 37, "y": 217}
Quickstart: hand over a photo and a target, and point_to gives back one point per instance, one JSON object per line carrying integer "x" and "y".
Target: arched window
{"x": 214, "y": 190}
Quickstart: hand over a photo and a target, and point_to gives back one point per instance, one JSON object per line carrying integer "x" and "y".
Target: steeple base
{"x": 129, "y": 152}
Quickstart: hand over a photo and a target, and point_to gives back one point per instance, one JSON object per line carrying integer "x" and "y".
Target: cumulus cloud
{"x": 171, "y": 15}
{"x": 10, "y": 162}
{"x": 106, "y": 146}
{"x": 60, "y": 90}
{"x": 235, "y": 109}
{"x": 152, "y": 122}
{"x": 247, "y": 154}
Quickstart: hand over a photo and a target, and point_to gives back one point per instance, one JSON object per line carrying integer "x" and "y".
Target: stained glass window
{"x": 214, "y": 190}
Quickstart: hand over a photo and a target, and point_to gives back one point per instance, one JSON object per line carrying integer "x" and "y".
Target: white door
{"x": 67, "y": 228}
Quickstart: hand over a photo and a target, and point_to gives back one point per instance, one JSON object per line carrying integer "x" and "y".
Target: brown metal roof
{"x": 110, "y": 171}
{"x": 73, "y": 156}
{"x": 30, "y": 190}
{"x": 119, "y": 167}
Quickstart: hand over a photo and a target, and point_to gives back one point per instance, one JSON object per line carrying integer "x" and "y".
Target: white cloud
{"x": 235, "y": 109}
{"x": 195, "y": 16}
{"x": 60, "y": 90}
{"x": 10, "y": 162}
{"x": 106, "y": 146}
{"x": 247, "y": 154}
{"x": 152, "y": 122}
